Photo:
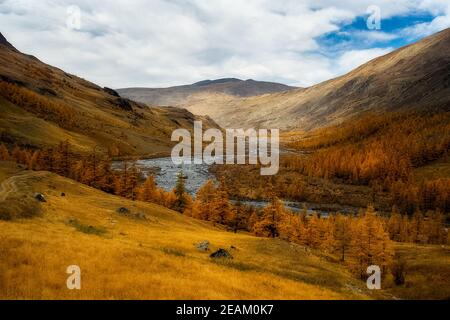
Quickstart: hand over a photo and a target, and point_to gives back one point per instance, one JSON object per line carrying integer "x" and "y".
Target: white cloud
{"x": 442, "y": 21}
{"x": 167, "y": 42}
{"x": 354, "y": 58}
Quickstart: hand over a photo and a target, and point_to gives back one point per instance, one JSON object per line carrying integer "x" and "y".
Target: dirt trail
{"x": 10, "y": 185}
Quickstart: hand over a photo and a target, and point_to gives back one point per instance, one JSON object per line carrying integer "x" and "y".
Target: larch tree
{"x": 370, "y": 244}
{"x": 395, "y": 224}
{"x": 148, "y": 191}
{"x": 180, "y": 193}
{"x": 342, "y": 234}
{"x": 222, "y": 210}
{"x": 269, "y": 225}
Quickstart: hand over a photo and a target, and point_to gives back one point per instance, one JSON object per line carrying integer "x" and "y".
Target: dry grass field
{"x": 123, "y": 257}
{"x": 128, "y": 257}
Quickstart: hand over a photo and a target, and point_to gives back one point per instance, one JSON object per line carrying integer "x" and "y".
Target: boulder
{"x": 221, "y": 253}
{"x": 123, "y": 210}
{"x": 203, "y": 246}
{"x": 40, "y": 197}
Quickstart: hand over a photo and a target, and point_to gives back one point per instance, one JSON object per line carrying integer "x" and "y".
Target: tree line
{"x": 42, "y": 107}
{"x": 93, "y": 169}
{"x": 382, "y": 151}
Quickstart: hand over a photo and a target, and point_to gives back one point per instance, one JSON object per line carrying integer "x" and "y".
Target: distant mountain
{"x": 415, "y": 77}
{"x": 42, "y": 105}
{"x": 177, "y": 96}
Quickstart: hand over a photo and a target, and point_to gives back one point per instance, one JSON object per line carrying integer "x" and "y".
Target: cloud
{"x": 442, "y": 20}
{"x": 168, "y": 42}
{"x": 354, "y": 58}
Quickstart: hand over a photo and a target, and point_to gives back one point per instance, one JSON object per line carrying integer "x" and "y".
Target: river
{"x": 166, "y": 173}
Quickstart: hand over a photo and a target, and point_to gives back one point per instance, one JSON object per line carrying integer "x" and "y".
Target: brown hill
{"x": 413, "y": 77}
{"x": 177, "y": 96}
{"x": 42, "y": 105}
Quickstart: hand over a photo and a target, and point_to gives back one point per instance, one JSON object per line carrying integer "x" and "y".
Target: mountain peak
{"x": 223, "y": 80}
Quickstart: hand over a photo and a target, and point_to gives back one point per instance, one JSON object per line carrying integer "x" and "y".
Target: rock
{"x": 122, "y": 103}
{"x": 63, "y": 194}
{"x": 123, "y": 210}
{"x": 40, "y": 197}
{"x": 141, "y": 216}
{"x": 203, "y": 246}
{"x": 221, "y": 253}
{"x": 111, "y": 91}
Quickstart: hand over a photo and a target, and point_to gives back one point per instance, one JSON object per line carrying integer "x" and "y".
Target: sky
{"x": 161, "y": 43}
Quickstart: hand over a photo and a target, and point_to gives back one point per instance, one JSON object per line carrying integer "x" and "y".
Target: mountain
{"x": 5, "y": 43}
{"x": 42, "y": 106}
{"x": 177, "y": 96}
{"x": 415, "y": 77}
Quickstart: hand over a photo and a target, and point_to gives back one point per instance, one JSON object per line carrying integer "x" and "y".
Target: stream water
{"x": 166, "y": 173}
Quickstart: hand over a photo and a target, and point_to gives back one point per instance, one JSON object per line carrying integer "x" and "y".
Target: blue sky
{"x": 392, "y": 26}
{"x": 157, "y": 43}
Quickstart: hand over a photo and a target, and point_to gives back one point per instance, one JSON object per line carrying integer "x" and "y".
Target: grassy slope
{"x": 123, "y": 258}
{"x": 26, "y": 127}
{"x": 427, "y": 272}
{"x": 138, "y": 132}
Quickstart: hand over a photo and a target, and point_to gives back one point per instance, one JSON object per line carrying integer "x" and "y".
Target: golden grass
{"x": 125, "y": 258}
{"x": 151, "y": 259}
{"x": 427, "y": 272}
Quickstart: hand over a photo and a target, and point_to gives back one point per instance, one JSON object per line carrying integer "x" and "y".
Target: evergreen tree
{"x": 180, "y": 193}
{"x": 269, "y": 225}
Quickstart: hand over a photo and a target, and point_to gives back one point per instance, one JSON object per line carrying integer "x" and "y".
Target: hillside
{"x": 415, "y": 77}
{"x": 42, "y": 105}
{"x": 151, "y": 253}
{"x": 150, "y": 256}
{"x": 179, "y": 95}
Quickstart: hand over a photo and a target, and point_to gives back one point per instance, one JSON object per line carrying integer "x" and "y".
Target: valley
{"x": 364, "y": 179}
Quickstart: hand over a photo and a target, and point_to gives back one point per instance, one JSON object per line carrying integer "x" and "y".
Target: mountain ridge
{"x": 415, "y": 77}
{"x": 178, "y": 95}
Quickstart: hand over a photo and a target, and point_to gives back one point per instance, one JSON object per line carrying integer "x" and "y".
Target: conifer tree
{"x": 180, "y": 193}
{"x": 4, "y": 153}
{"x": 269, "y": 225}
{"x": 370, "y": 244}
{"x": 148, "y": 191}
{"x": 221, "y": 208}
{"x": 343, "y": 235}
